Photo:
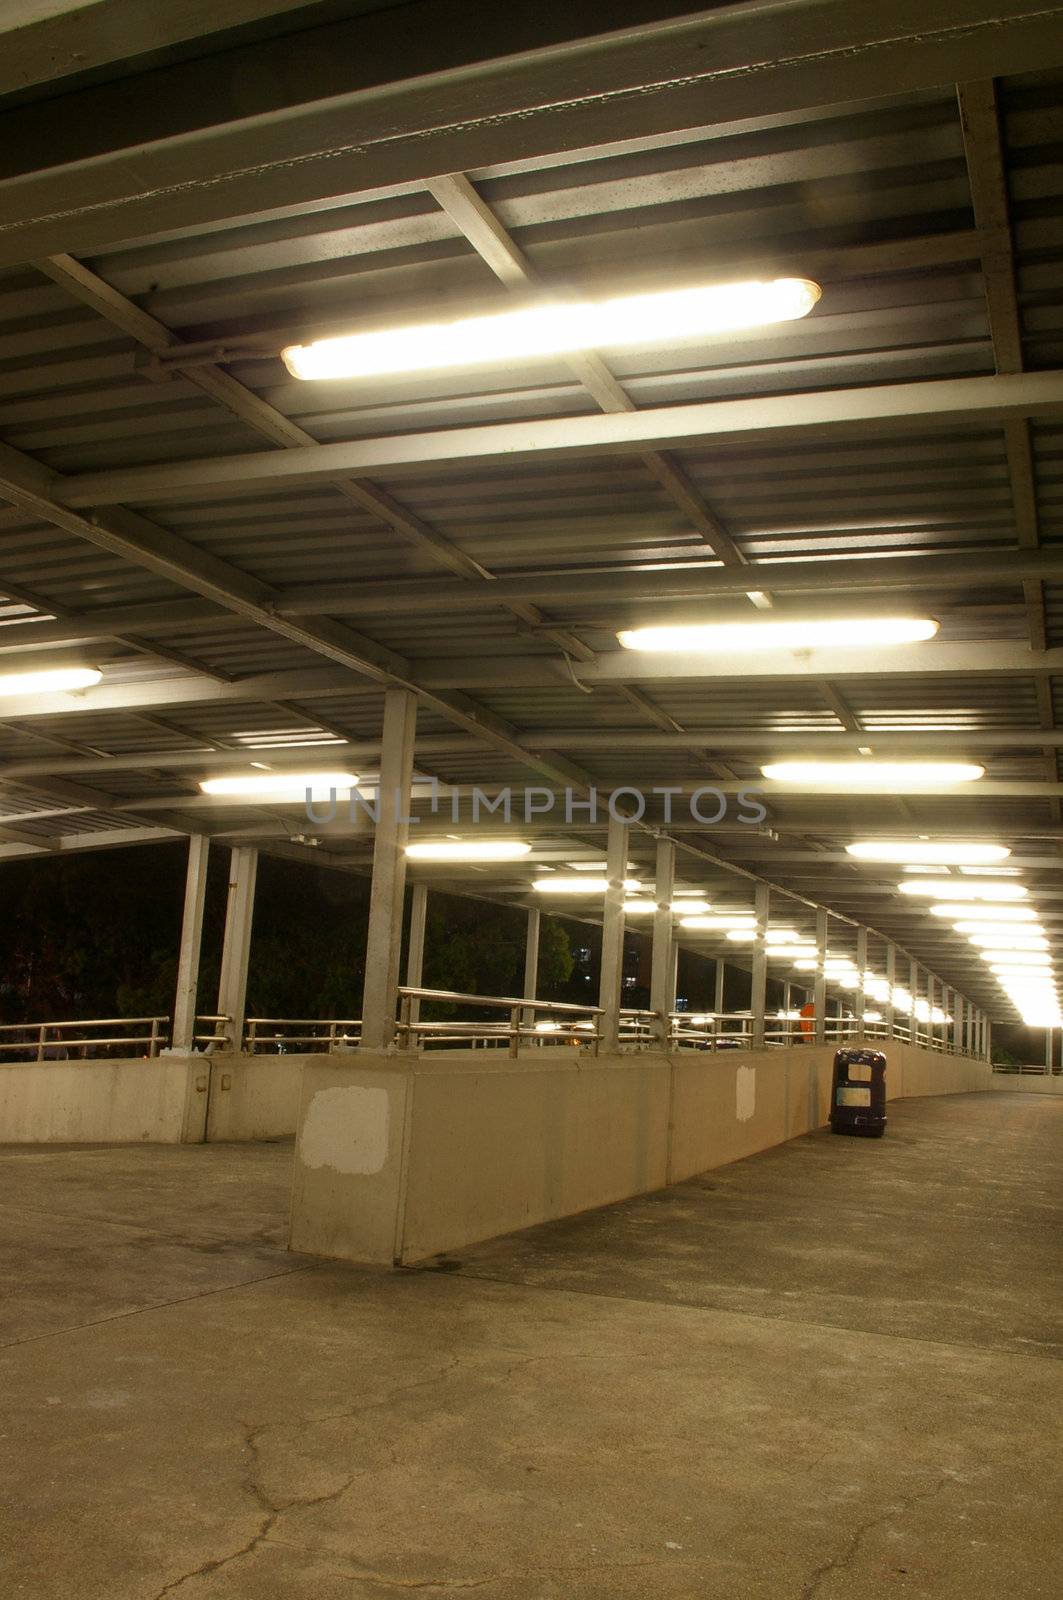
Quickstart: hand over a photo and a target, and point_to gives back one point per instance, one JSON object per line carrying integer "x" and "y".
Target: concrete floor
{"x": 830, "y": 1370}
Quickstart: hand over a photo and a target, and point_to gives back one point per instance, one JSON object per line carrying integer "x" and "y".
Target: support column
{"x": 1048, "y": 1051}
{"x": 717, "y": 1000}
{"x": 380, "y": 994}
{"x": 612, "y": 970}
{"x": 913, "y": 985}
{"x": 988, "y": 1040}
{"x": 531, "y": 960}
{"x": 758, "y": 994}
{"x": 891, "y": 979}
{"x": 662, "y": 961}
{"x": 819, "y": 992}
{"x": 236, "y": 947}
{"x": 861, "y": 967}
{"x": 184, "y": 1005}
{"x": 415, "y": 953}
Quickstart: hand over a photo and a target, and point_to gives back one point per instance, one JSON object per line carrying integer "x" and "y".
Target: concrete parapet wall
{"x": 1027, "y": 1083}
{"x": 163, "y": 1101}
{"x": 254, "y": 1097}
{"x": 402, "y": 1157}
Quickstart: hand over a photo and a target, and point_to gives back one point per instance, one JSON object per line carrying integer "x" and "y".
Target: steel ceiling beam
{"x": 929, "y": 403}
{"x": 631, "y": 666}
{"x": 363, "y": 104}
{"x": 676, "y": 581}
{"x": 44, "y": 41}
{"x": 134, "y": 538}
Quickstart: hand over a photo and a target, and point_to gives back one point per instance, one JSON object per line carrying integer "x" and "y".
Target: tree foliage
{"x": 97, "y": 936}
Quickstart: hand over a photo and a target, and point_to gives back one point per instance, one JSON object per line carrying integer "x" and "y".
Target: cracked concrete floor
{"x": 188, "y": 1410}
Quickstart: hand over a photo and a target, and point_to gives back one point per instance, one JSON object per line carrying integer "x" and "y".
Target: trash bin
{"x": 858, "y": 1093}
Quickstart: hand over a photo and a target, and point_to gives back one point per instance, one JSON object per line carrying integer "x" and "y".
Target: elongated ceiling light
{"x": 935, "y": 852}
{"x": 289, "y": 786}
{"x": 720, "y": 924}
{"x": 468, "y": 850}
{"x": 980, "y": 916}
{"x": 888, "y": 776}
{"x": 730, "y": 637}
{"x": 49, "y": 680}
{"x": 579, "y": 885}
{"x": 641, "y": 906}
{"x": 959, "y": 889}
{"x": 555, "y": 328}
{"x": 1008, "y": 939}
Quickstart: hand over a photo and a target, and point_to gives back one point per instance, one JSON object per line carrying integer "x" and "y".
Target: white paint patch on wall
{"x": 346, "y": 1129}
{"x": 745, "y": 1093}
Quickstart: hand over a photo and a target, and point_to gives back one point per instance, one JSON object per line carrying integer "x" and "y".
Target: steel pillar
{"x": 819, "y": 991}
{"x": 662, "y": 962}
{"x": 236, "y": 945}
{"x": 380, "y": 995}
{"x": 758, "y": 991}
{"x": 531, "y": 960}
{"x": 891, "y": 979}
{"x": 415, "y": 951}
{"x": 184, "y": 1005}
{"x": 610, "y": 987}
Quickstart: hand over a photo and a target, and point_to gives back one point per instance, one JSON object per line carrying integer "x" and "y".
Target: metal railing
{"x": 563, "y": 1022}
{"x": 523, "y": 1024}
{"x": 1027, "y": 1068}
{"x": 75, "y": 1041}
{"x": 274, "y": 1034}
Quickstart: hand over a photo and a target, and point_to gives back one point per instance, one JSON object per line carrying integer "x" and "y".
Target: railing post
{"x": 236, "y": 946}
{"x": 758, "y": 990}
{"x": 612, "y": 964}
{"x": 819, "y": 993}
{"x": 41, "y": 1034}
{"x": 153, "y": 1042}
{"x": 662, "y": 962}
{"x": 389, "y": 870}
{"x": 514, "y": 1031}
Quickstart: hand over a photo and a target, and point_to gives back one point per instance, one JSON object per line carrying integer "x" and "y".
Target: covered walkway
{"x": 828, "y": 1370}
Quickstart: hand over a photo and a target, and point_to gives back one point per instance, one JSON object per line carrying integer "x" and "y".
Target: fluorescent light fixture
{"x": 594, "y": 866}
{"x": 982, "y": 915}
{"x": 716, "y": 924}
{"x": 773, "y": 936}
{"x": 872, "y": 1016}
{"x": 990, "y": 872}
{"x": 555, "y": 328}
{"x": 468, "y": 850}
{"x": 578, "y": 885}
{"x": 644, "y": 907}
{"x": 1006, "y": 939}
{"x": 889, "y": 776}
{"x": 940, "y": 852}
{"x": 49, "y": 680}
{"x": 956, "y": 889}
{"x": 727, "y": 638}
{"x": 287, "y": 786}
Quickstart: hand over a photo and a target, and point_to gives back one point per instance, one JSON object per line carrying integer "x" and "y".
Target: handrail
{"x": 521, "y": 1023}
{"x": 503, "y": 1002}
{"x": 46, "y": 1039}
